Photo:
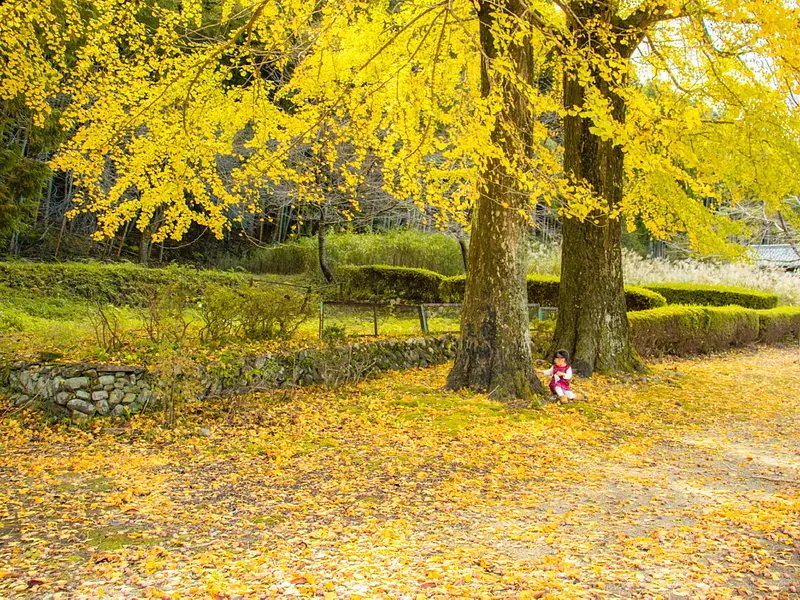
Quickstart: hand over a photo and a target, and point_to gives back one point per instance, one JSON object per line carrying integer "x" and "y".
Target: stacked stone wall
{"x": 83, "y": 391}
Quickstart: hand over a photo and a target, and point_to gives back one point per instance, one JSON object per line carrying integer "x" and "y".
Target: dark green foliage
{"x": 779, "y": 324}
{"x": 542, "y": 289}
{"x": 115, "y": 284}
{"x": 384, "y": 282}
{"x": 218, "y": 308}
{"x": 708, "y": 295}
{"x": 24, "y": 150}
{"x": 21, "y": 182}
{"x": 686, "y": 330}
{"x": 271, "y": 313}
{"x": 164, "y": 314}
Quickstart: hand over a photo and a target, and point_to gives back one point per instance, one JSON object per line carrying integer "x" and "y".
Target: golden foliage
{"x": 317, "y": 95}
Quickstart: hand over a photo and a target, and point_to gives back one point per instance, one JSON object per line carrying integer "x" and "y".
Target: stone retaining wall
{"x": 81, "y": 391}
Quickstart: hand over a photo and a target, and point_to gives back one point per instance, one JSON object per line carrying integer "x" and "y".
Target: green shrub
{"x": 252, "y": 313}
{"x": 451, "y": 289}
{"x": 165, "y": 312}
{"x": 386, "y": 282}
{"x": 272, "y": 313}
{"x": 708, "y": 295}
{"x": 218, "y": 308}
{"x": 543, "y": 290}
{"x": 779, "y": 324}
{"x": 685, "y": 330}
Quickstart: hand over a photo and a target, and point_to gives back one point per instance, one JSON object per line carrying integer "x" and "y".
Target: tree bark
{"x": 144, "y": 246}
{"x": 462, "y": 243}
{"x": 592, "y": 320}
{"x": 322, "y": 246}
{"x": 495, "y": 351}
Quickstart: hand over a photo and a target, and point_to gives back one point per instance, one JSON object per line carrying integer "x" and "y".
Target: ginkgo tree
{"x": 667, "y": 110}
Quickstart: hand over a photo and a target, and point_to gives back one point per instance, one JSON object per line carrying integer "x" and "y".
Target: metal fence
{"x": 368, "y": 317}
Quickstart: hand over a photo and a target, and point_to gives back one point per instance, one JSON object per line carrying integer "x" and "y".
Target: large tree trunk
{"x": 495, "y": 351}
{"x": 592, "y": 321}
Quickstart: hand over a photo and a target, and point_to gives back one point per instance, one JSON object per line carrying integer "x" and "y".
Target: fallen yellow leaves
{"x": 682, "y": 483}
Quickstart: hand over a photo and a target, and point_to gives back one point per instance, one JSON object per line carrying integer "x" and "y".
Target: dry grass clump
{"x": 546, "y": 259}
{"x": 642, "y": 271}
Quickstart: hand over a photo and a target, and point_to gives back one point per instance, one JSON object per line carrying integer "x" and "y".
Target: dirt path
{"x": 703, "y": 516}
{"x": 684, "y": 483}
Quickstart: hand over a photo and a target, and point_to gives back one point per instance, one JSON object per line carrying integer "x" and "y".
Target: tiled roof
{"x": 777, "y": 255}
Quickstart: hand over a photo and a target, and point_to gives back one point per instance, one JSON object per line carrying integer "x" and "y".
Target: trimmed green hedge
{"x": 686, "y": 330}
{"x": 387, "y": 282}
{"x": 115, "y": 283}
{"x": 779, "y": 324}
{"x": 420, "y": 285}
{"x": 709, "y": 295}
{"x": 639, "y": 298}
{"x": 543, "y": 290}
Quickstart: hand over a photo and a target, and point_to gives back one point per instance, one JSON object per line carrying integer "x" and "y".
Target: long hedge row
{"x": 687, "y": 330}
{"x": 118, "y": 284}
{"x": 420, "y": 285}
{"x": 708, "y": 295}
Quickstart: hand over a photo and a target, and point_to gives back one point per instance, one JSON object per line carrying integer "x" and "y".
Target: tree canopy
{"x": 162, "y": 90}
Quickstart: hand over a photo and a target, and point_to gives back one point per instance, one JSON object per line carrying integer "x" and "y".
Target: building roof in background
{"x": 776, "y": 255}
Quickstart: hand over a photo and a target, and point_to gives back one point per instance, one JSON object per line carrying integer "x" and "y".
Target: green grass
{"x": 98, "y": 484}
{"x": 268, "y": 520}
{"x": 452, "y": 414}
{"x": 108, "y": 539}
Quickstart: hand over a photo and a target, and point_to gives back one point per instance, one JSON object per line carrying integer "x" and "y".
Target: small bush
{"x": 252, "y": 313}
{"x": 272, "y": 313}
{"x": 708, "y": 295}
{"x": 165, "y": 313}
{"x": 108, "y": 329}
{"x": 685, "y": 330}
{"x": 218, "y": 308}
{"x": 779, "y": 324}
{"x": 386, "y": 282}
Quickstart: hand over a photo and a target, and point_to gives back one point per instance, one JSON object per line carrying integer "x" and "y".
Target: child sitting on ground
{"x": 561, "y": 374}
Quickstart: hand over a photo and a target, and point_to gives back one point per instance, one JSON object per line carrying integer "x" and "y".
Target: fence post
{"x": 375, "y": 318}
{"x": 539, "y": 312}
{"x": 423, "y": 319}
{"x": 321, "y": 317}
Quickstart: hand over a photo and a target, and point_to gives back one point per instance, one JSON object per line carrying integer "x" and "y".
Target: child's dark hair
{"x": 562, "y": 354}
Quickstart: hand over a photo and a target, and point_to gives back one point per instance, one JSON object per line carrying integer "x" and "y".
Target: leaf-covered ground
{"x": 684, "y": 483}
